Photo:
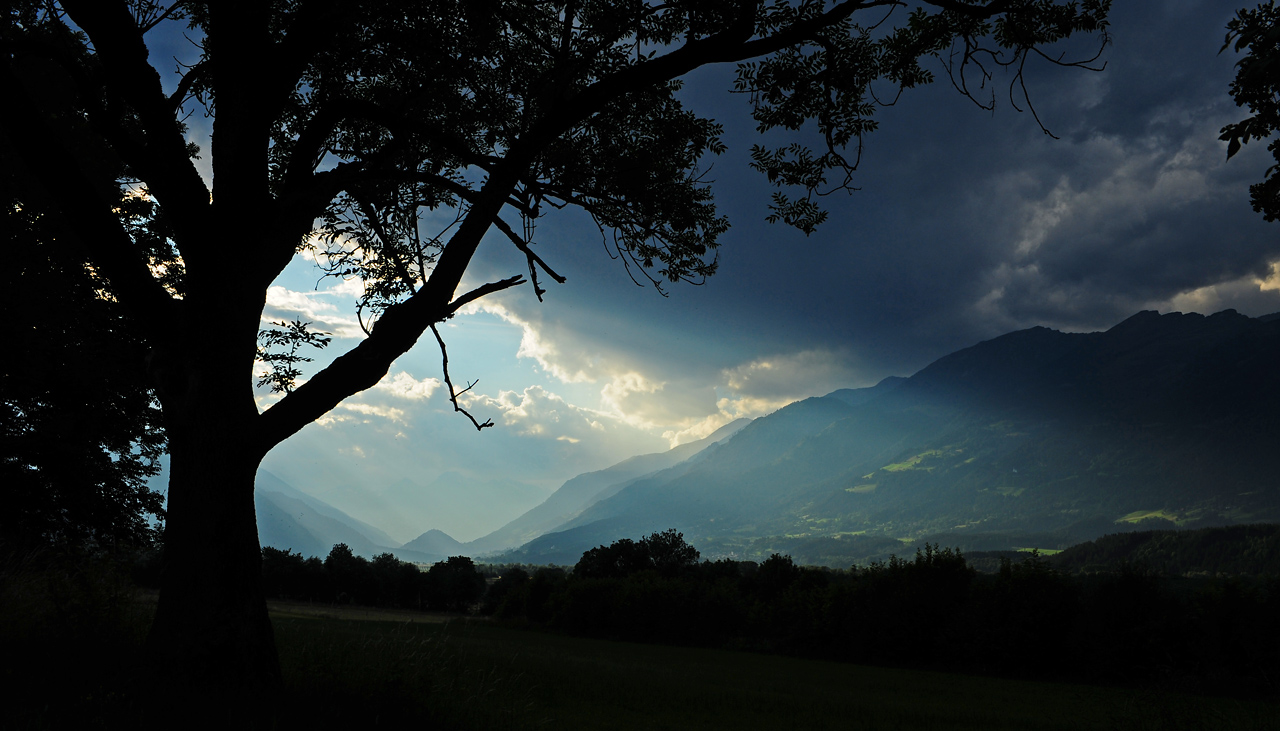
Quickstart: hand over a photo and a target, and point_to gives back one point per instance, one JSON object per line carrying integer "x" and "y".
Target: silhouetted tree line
{"x": 383, "y": 581}
{"x": 1252, "y": 549}
{"x": 1125, "y": 626}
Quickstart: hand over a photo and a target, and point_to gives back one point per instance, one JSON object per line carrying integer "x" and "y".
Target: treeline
{"x": 932, "y": 611}
{"x": 1239, "y": 550}
{"x": 383, "y": 581}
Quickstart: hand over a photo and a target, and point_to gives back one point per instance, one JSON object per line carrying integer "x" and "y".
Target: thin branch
{"x": 160, "y": 18}
{"x": 181, "y": 94}
{"x": 481, "y": 291}
{"x": 453, "y": 396}
{"x": 530, "y": 256}
{"x": 388, "y": 248}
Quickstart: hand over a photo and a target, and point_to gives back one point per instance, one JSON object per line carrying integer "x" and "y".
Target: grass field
{"x": 359, "y": 668}
{"x": 470, "y": 674}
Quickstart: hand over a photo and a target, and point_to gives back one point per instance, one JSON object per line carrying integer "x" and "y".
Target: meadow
{"x": 477, "y": 675}
{"x": 73, "y": 660}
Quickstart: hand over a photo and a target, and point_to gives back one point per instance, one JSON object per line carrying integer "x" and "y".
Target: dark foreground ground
{"x": 352, "y": 668}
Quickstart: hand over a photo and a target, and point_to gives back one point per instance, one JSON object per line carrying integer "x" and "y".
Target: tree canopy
{"x": 79, "y": 427}
{"x": 387, "y": 138}
{"x": 1257, "y": 86}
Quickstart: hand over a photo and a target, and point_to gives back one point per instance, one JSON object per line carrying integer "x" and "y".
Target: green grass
{"x": 870, "y": 487}
{"x": 477, "y": 675}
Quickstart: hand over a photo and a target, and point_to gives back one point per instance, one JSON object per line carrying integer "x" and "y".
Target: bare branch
{"x": 453, "y": 397}
{"x": 364, "y": 365}
{"x": 530, "y": 256}
{"x": 146, "y": 27}
{"x": 180, "y": 95}
{"x": 481, "y": 291}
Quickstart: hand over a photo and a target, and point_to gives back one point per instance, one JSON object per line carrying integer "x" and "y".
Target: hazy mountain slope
{"x": 279, "y": 526}
{"x": 270, "y": 483}
{"x": 683, "y": 496}
{"x": 289, "y": 523}
{"x": 581, "y": 491}
{"x": 1036, "y": 435}
{"x": 289, "y": 519}
{"x": 449, "y": 503}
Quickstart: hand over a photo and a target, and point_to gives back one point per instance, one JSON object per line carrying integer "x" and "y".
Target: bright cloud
{"x": 402, "y": 385}
{"x": 534, "y": 412}
{"x": 790, "y": 376}
{"x": 1250, "y": 293}
{"x": 533, "y": 345}
{"x": 382, "y": 412}
{"x": 287, "y": 304}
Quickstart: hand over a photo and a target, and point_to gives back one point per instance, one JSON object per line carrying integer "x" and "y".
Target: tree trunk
{"x": 211, "y": 644}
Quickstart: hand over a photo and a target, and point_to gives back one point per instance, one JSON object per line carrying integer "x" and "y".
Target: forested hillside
{"x": 1036, "y": 439}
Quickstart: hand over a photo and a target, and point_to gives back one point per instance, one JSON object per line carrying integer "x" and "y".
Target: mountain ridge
{"x": 1035, "y": 434}
{"x": 581, "y": 491}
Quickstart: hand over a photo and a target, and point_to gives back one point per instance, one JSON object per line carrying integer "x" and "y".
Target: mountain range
{"x": 1037, "y": 438}
{"x": 289, "y": 519}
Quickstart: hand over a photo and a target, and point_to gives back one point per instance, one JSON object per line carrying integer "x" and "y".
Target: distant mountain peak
{"x": 436, "y": 542}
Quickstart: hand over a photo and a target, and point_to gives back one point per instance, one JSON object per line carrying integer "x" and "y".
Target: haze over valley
{"x": 1035, "y": 439}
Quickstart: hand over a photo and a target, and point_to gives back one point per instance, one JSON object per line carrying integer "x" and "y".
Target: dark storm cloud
{"x": 968, "y": 224}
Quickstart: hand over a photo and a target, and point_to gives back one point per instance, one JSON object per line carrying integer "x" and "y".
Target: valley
{"x": 1036, "y": 439}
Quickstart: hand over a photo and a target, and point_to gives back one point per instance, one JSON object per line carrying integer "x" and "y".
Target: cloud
{"x": 1251, "y": 294}
{"x": 402, "y": 385}
{"x": 1146, "y": 219}
{"x": 764, "y": 385}
{"x": 324, "y": 316}
{"x": 533, "y": 345}
{"x": 793, "y": 375}
{"x": 383, "y": 412}
{"x": 536, "y": 412}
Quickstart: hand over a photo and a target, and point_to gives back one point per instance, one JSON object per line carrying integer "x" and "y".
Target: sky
{"x": 968, "y": 224}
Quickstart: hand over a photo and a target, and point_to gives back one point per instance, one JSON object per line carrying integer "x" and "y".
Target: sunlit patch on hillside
{"x": 914, "y": 463}
{"x": 1139, "y": 515}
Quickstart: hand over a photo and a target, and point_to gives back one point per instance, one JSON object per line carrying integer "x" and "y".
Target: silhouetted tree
{"x": 350, "y": 578}
{"x": 511, "y": 581}
{"x": 665, "y": 552}
{"x": 774, "y": 576}
{"x": 620, "y": 558}
{"x": 79, "y": 429}
{"x": 668, "y": 552}
{"x": 454, "y": 584}
{"x": 1257, "y": 86}
{"x": 336, "y": 123}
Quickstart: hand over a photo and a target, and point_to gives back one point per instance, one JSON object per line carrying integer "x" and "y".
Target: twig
{"x": 444, "y": 357}
{"x": 481, "y": 291}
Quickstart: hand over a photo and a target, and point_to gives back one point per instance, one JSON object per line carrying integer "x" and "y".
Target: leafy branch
{"x": 284, "y": 371}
